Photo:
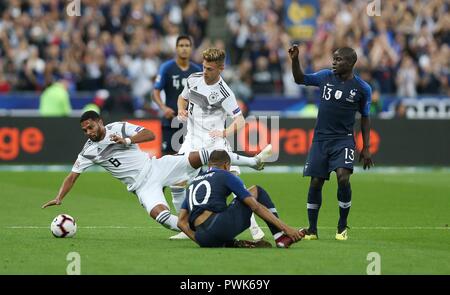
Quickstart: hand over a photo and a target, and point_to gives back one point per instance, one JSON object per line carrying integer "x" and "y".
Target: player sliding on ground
{"x": 208, "y": 221}
{"x": 114, "y": 147}
{"x": 333, "y": 147}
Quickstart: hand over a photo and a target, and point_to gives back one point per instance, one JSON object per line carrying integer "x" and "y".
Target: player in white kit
{"x": 114, "y": 147}
{"x": 206, "y": 102}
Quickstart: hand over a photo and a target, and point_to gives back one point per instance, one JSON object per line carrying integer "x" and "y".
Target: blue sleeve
{"x": 316, "y": 78}
{"x": 161, "y": 78}
{"x": 197, "y": 67}
{"x": 366, "y": 100}
{"x": 185, "y": 204}
{"x": 236, "y": 185}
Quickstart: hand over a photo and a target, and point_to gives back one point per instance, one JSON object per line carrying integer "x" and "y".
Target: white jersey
{"x": 209, "y": 106}
{"x": 127, "y": 163}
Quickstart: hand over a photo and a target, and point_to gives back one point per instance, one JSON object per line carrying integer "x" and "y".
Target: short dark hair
{"x": 348, "y": 53}
{"x": 219, "y": 157}
{"x": 183, "y": 37}
{"x": 90, "y": 115}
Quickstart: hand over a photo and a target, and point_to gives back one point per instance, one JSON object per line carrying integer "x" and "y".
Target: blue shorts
{"x": 220, "y": 229}
{"x": 328, "y": 155}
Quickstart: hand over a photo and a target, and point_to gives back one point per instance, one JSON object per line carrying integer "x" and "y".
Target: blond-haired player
{"x": 206, "y": 102}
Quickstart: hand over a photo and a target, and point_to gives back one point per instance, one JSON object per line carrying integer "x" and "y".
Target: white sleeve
{"x": 185, "y": 92}
{"x": 230, "y": 106}
{"x": 131, "y": 129}
{"x": 81, "y": 164}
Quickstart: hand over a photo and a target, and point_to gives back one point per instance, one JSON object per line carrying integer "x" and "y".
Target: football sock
{"x": 264, "y": 198}
{"x": 178, "y": 196}
{"x": 313, "y": 206}
{"x": 239, "y": 160}
{"x": 344, "y": 195}
{"x": 204, "y": 156}
{"x": 168, "y": 220}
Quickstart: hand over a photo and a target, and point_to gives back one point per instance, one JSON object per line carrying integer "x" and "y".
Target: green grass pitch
{"x": 403, "y": 217}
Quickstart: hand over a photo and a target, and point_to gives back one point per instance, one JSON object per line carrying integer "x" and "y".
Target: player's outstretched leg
{"x": 200, "y": 158}
{"x": 344, "y": 195}
{"x": 163, "y": 216}
{"x": 255, "y": 230}
{"x": 313, "y": 207}
{"x": 281, "y": 240}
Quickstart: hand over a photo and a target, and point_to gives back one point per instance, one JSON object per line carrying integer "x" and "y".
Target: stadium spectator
{"x": 40, "y": 43}
{"x": 55, "y": 101}
{"x": 407, "y": 78}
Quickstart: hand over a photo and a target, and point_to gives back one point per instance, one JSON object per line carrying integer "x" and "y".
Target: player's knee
{"x": 343, "y": 180}
{"x": 316, "y": 182}
{"x": 181, "y": 185}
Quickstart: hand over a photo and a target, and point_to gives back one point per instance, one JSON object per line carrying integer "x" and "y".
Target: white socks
{"x": 168, "y": 220}
{"x": 239, "y": 160}
{"x": 178, "y": 196}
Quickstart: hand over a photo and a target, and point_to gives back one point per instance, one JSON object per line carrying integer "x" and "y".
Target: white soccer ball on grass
{"x": 63, "y": 226}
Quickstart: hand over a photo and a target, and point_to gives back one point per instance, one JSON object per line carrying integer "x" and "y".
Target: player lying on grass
{"x": 114, "y": 147}
{"x": 208, "y": 221}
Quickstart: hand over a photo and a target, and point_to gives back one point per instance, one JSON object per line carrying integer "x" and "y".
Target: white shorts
{"x": 219, "y": 144}
{"x": 165, "y": 171}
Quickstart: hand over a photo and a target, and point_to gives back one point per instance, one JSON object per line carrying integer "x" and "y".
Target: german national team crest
{"x": 213, "y": 97}
{"x": 338, "y": 94}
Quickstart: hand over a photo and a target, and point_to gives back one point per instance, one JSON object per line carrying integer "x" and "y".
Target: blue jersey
{"x": 209, "y": 191}
{"x": 172, "y": 80}
{"x": 339, "y": 102}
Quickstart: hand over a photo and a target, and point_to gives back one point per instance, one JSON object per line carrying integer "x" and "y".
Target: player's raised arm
{"x": 66, "y": 186}
{"x": 297, "y": 72}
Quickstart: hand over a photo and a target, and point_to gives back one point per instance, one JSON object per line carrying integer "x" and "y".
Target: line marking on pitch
{"x": 322, "y": 227}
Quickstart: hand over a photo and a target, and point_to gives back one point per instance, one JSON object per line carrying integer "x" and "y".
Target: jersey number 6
{"x": 115, "y": 162}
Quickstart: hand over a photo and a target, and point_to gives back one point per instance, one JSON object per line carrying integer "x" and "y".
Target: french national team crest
{"x": 213, "y": 97}
{"x": 351, "y": 98}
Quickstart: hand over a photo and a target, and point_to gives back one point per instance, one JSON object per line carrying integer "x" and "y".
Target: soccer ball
{"x": 63, "y": 226}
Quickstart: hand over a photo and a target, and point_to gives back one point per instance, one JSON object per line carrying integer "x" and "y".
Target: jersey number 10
{"x": 193, "y": 193}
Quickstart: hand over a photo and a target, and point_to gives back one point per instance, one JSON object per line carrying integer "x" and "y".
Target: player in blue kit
{"x": 172, "y": 79}
{"x": 333, "y": 149}
{"x": 207, "y": 219}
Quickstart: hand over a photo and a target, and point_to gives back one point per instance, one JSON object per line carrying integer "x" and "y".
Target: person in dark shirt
{"x": 207, "y": 219}
{"x": 342, "y": 94}
{"x": 172, "y": 79}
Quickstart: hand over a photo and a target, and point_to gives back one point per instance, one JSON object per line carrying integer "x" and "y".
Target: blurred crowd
{"x": 118, "y": 45}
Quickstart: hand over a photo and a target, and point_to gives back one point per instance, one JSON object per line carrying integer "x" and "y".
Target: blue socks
{"x": 313, "y": 206}
{"x": 344, "y": 196}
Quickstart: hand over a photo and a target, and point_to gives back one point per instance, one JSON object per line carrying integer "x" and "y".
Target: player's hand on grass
{"x": 182, "y": 115}
{"x": 53, "y": 202}
{"x": 366, "y": 157}
{"x": 217, "y": 133}
{"x": 293, "y": 51}
{"x": 169, "y": 113}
